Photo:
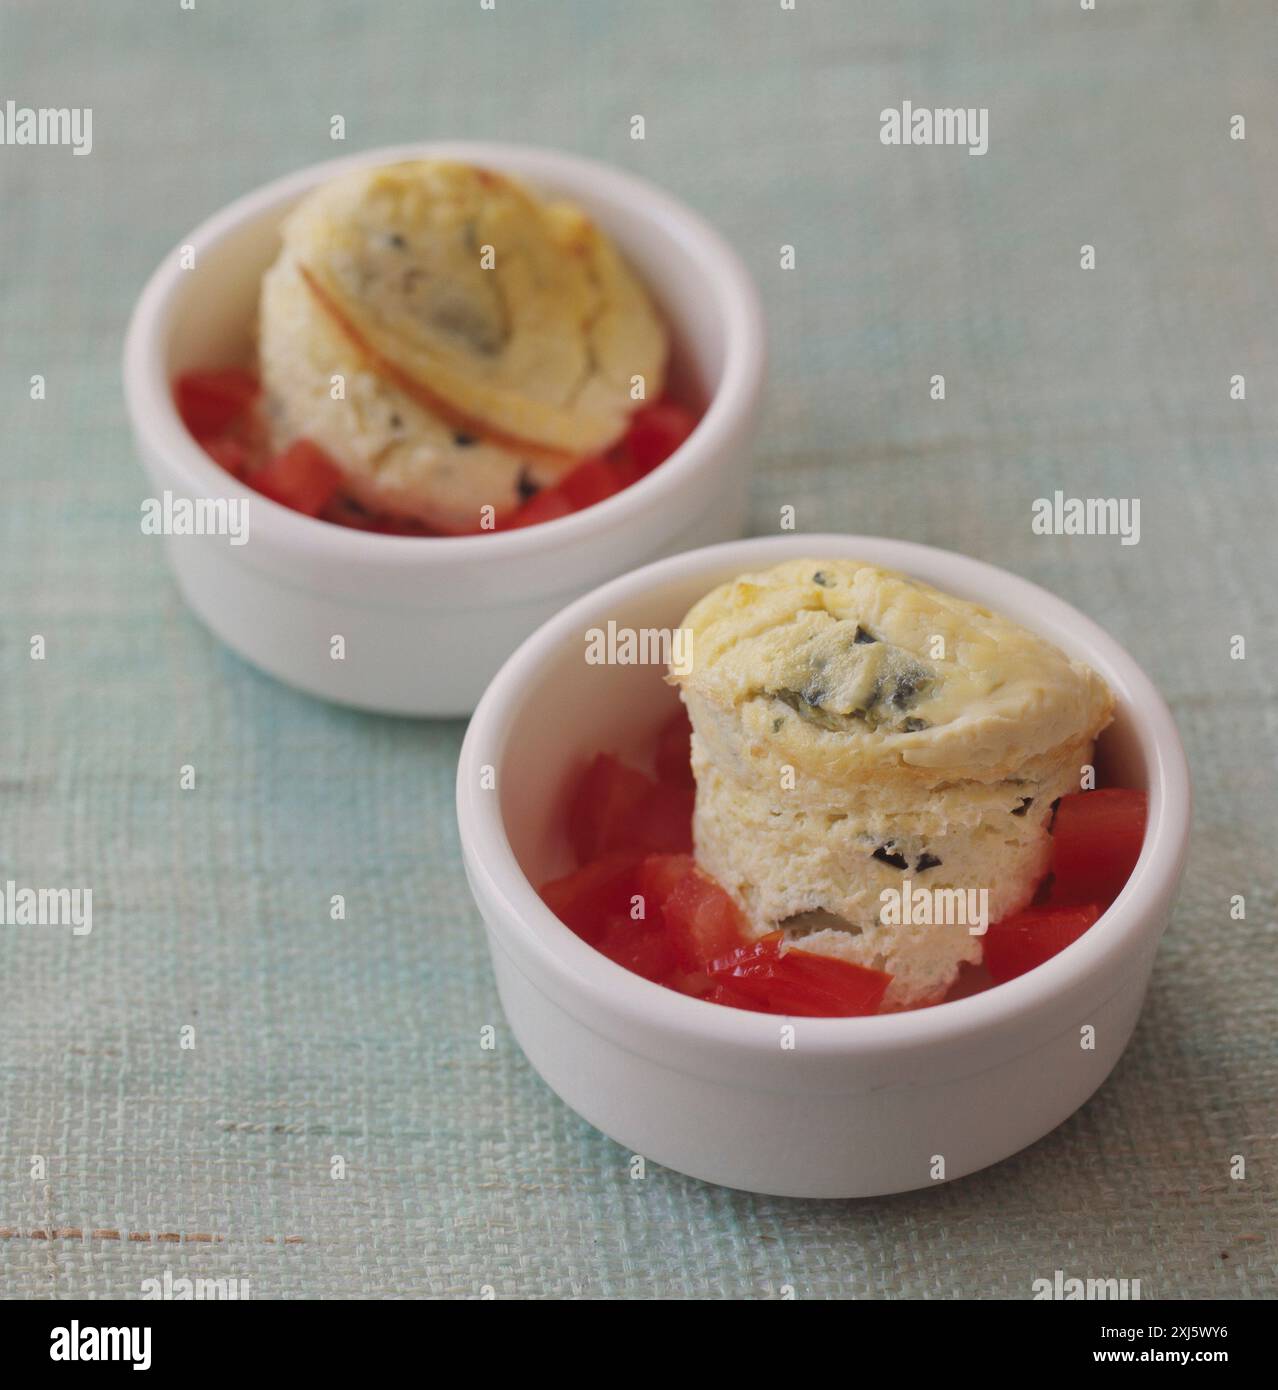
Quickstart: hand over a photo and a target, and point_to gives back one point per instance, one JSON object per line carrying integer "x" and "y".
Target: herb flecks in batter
{"x": 814, "y": 714}
{"x": 838, "y": 683}
{"x": 887, "y": 854}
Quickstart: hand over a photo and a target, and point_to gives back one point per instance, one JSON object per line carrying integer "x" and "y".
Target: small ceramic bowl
{"x": 856, "y": 1106}
{"x": 426, "y": 621}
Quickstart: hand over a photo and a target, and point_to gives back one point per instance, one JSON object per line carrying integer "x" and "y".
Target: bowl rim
{"x": 643, "y": 1005}
{"x": 149, "y": 397}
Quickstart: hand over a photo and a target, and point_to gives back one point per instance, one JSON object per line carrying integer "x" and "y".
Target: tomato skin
{"x": 797, "y": 982}
{"x": 744, "y": 959}
{"x": 824, "y": 987}
{"x": 591, "y": 897}
{"x": 303, "y": 478}
{"x": 1096, "y": 841}
{"x": 1028, "y": 938}
{"x": 656, "y": 432}
{"x": 674, "y": 751}
{"x": 209, "y": 402}
{"x": 733, "y": 998}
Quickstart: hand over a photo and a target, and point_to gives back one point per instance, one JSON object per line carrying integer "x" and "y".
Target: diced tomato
{"x": 823, "y": 987}
{"x": 746, "y": 958}
{"x": 601, "y": 812}
{"x": 659, "y": 876}
{"x": 702, "y": 921}
{"x": 590, "y": 482}
{"x": 656, "y": 432}
{"x": 639, "y": 946}
{"x": 747, "y": 973}
{"x": 209, "y": 402}
{"x": 303, "y": 477}
{"x": 673, "y": 760}
{"x": 1096, "y": 840}
{"x": 661, "y": 822}
{"x": 546, "y": 505}
{"x": 1028, "y": 938}
{"x": 229, "y": 454}
{"x": 798, "y": 982}
{"x": 623, "y": 464}
{"x": 617, "y": 807}
{"x": 587, "y": 899}
{"x": 583, "y": 486}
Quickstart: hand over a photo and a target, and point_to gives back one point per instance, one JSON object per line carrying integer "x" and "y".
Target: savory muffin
{"x": 856, "y": 731}
{"x": 484, "y": 340}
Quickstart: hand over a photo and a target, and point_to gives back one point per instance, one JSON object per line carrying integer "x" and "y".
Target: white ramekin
{"x": 427, "y": 621}
{"x": 860, "y": 1106}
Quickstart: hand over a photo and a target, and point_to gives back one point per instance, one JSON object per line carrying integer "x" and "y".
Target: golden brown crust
{"x": 511, "y": 317}
{"x": 843, "y": 670}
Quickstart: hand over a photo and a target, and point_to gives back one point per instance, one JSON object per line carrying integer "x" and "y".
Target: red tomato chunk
{"x": 615, "y": 807}
{"x": 1019, "y": 943}
{"x": 547, "y": 505}
{"x": 1096, "y": 838}
{"x": 702, "y": 921}
{"x": 639, "y": 947}
{"x": 303, "y": 477}
{"x": 798, "y": 982}
{"x": 587, "y": 899}
{"x": 656, "y": 432}
{"x": 674, "y": 750}
{"x": 210, "y": 402}
{"x": 590, "y": 482}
